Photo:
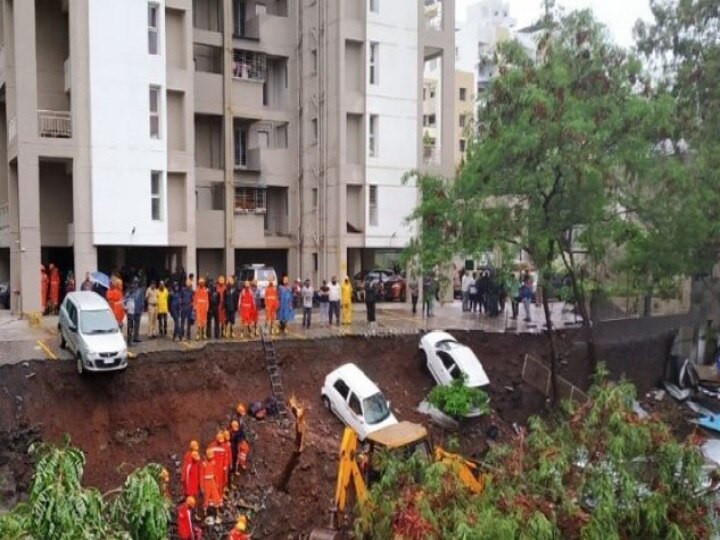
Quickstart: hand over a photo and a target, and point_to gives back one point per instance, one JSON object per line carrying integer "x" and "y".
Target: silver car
{"x": 88, "y": 329}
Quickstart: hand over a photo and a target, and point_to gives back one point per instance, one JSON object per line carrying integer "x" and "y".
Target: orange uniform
{"x": 227, "y": 448}
{"x": 185, "y": 528}
{"x": 201, "y": 303}
{"x": 115, "y": 299}
{"x": 271, "y": 303}
{"x": 247, "y": 308}
{"x": 211, "y": 494}
{"x": 54, "y": 287}
{"x": 237, "y": 535}
{"x": 222, "y": 464}
{"x": 43, "y": 288}
{"x": 190, "y": 475}
{"x": 243, "y": 451}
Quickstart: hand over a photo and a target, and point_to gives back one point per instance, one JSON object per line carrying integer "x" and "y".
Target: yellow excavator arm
{"x": 348, "y": 471}
{"x": 467, "y": 471}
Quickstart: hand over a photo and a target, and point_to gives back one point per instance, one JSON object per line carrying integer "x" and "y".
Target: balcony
{"x": 55, "y": 124}
{"x": 433, "y": 15}
{"x": 4, "y": 217}
{"x": 248, "y": 160}
{"x": 67, "y": 69}
{"x": 270, "y": 28}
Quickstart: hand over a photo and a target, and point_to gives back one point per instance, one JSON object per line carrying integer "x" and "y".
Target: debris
{"x": 510, "y": 388}
{"x": 699, "y": 409}
{"x": 637, "y": 409}
{"x": 30, "y": 375}
{"x": 657, "y": 395}
{"x": 437, "y": 416}
{"x": 711, "y": 450}
{"x": 710, "y": 422}
{"x": 681, "y": 394}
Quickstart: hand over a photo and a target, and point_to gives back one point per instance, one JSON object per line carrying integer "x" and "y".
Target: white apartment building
{"x": 213, "y": 133}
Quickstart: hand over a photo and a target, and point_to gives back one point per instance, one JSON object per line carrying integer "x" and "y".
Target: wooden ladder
{"x": 273, "y": 370}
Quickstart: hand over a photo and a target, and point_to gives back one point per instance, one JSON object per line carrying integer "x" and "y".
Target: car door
{"x": 339, "y": 398}
{"x": 356, "y": 414}
{"x": 434, "y": 365}
{"x": 72, "y": 322}
{"x": 448, "y": 369}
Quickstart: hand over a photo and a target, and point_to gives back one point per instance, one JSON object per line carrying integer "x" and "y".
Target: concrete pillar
{"x": 228, "y": 128}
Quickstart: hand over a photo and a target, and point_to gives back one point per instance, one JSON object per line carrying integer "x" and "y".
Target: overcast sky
{"x": 618, "y": 15}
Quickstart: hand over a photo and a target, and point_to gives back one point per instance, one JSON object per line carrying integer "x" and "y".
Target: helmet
{"x": 201, "y": 281}
{"x": 271, "y": 283}
{"x": 235, "y": 425}
{"x": 241, "y": 410}
{"x": 190, "y": 501}
{"x": 247, "y": 284}
{"x": 241, "y": 524}
{"x": 220, "y": 436}
{"x": 194, "y": 446}
{"x": 230, "y": 280}
{"x": 209, "y": 453}
{"x": 195, "y": 455}
{"x": 221, "y": 280}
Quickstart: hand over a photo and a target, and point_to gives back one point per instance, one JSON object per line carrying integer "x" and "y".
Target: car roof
{"x": 88, "y": 300}
{"x": 358, "y": 382}
{"x": 398, "y": 435}
{"x": 435, "y": 337}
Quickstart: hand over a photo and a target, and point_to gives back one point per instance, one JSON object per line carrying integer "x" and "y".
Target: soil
{"x": 151, "y": 411}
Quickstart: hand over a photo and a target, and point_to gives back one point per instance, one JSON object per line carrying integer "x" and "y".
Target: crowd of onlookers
{"x": 487, "y": 292}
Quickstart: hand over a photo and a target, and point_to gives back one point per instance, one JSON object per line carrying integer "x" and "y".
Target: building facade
{"x": 209, "y": 134}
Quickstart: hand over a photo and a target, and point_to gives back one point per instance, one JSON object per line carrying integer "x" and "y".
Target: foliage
{"x": 59, "y": 507}
{"x": 457, "y": 400}
{"x": 597, "y": 471}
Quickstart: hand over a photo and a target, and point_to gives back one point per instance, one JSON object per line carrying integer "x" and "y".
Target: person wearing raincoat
{"x": 286, "y": 312}
{"x": 346, "y": 301}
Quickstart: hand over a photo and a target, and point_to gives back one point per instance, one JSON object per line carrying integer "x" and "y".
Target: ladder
{"x": 274, "y": 372}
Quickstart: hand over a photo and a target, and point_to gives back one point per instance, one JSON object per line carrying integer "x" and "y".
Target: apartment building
{"x": 214, "y": 133}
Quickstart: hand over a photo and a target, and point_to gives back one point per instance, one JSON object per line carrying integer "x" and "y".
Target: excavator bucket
{"x": 327, "y": 534}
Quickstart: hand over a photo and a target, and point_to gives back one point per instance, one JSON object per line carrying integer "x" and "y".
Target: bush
{"x": 457, "y": 400}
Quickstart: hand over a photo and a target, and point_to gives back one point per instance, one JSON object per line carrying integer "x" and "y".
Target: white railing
{"x": 56, "y": 124}
{"x": 12, "y": 129}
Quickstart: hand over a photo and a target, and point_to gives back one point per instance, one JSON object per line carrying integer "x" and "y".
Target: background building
{"x": 214, "y": 133}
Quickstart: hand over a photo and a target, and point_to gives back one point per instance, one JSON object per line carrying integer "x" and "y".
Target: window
{"x": 281, "y": 136}
{"x": 315, "y": 261}
{"x": 354, "y": 404}
{"x": 240, "y": 142}
{"x": 461, "y": 121}
{"x": 153, "y": 28}
{"x": 314, "y": 199}
{"x": 249, "y": 199}
{"x": 373, "y": 206}
{"x": 463, "y": 94}
{"x": 239, "y": 16}
{"x": 155, "y": 112}
{"x": 373, "y": 136}
{"x": 313, "y": 60}
{"x": 342, "y": 388}
{"x": 424, "y": 93}
{"x": 462, "y": 145}
{"x": 374, "y": 59}
{"x": 249, "y": 65}
{"x": 314, "y": 130}
{"x": 431, "y": 120}
{"x": 375, "y": 6}
{"x": 432, "y": 92}
{"x": 156, "y": 195}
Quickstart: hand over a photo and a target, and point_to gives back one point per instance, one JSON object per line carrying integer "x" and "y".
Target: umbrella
{"x": 101, "y": 279}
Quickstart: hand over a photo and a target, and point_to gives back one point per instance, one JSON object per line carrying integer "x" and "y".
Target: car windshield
{"x": 446, "y": 345}
{"x": 98, "y": 322}
{"x": 376, "y": 409}
{"x": 265, "y": 274}
{"x": 247, "y": 275}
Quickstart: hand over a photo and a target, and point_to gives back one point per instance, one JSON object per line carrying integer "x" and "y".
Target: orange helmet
{"x": 201, "y": 281}
{"x": 190, "y": 501}
{"x": 195, "y": 455}
{"x": 241, "y": 524}
{"x": 235, "y": 425}
{"x": 241, "y": 410}
{"x": 209, "y": 453}
{"x": 220, "y": 436}
{"x": 221, "y": 280}
{"x": 194, "y": 446}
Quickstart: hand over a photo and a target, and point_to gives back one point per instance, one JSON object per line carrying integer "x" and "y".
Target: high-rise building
{"x": 214, "y": 133}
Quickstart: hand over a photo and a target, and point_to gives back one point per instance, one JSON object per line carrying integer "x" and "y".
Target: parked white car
{"x": 356, "y": 400}
{"x": 447, "y": 360}
{"x": 88, "y": 328}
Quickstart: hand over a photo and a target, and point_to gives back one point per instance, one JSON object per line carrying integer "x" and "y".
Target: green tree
{"x": 59, "y": 507}
{"x": 597, "y": 471}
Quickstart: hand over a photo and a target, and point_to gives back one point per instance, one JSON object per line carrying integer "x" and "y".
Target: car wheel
{"x": 63, "y": 343}
{"x": 423, "y": 359}
{"x": 326, "y": 403}
{"x": 79, "y": 364}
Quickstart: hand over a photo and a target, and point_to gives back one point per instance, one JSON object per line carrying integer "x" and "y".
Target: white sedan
{"x": 356, "y": 400}
{"x": 447, "y": 360}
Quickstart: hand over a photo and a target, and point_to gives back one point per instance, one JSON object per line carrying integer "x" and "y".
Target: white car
{"x": 88, "y": 328}
{"x": 356, "y": 400}
{"x": 447, "y": 360}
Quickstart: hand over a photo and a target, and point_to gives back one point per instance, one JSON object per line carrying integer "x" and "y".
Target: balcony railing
{"x": 55, "y": 124}
{"x": 4, "y": 216}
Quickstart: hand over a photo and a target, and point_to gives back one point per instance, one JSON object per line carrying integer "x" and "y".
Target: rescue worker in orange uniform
{"x": 190, "y": 475}
{"x": 238, "y": 531}
{"x": 114, "y": 298}
{"x": 212, "y": 500}
{"x": 228, "y": 458}
{"x": 54, "y": 288}
{"x": 44, "y": 281}
{"x": 222, "y": 461}
{"x": 185, "y": 528}
{"x": 201, "y": 302}
{"x": 248, "y": 311}
{"x": 271, "y": 304}
{"x": 220, "y": 288}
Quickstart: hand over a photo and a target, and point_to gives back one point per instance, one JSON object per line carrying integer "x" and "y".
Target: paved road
{"x": 19, "y": 342}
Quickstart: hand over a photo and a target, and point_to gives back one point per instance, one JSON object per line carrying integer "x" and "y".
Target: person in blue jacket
{"x": 285, "y": 312}
{"x": 186, "y": 310}
{"x": 176, "y": 310}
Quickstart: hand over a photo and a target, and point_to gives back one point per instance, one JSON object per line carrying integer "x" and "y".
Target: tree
{"x": 598, "y": 471}
{"x": 59, "y": 507}
{"x": 549, "y": 172}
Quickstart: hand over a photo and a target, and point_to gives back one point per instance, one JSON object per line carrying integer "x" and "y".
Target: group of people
{"x": 52, "y": 288}
{"x": 213, "y": 306}
{"x": 210, "y": 476}
{"x": 487, "y": 292}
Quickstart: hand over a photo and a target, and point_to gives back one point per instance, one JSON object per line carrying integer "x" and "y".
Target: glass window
{"x": 463, "y": 94}
{"x": 342, "y": 388}
{"x": 98, "y": 322}
{"x": 375, "y": 6}
{"x": 462, "y": 145}
{"x": 155, "y": 112}
{"x": 376, "y": 409}
{"x": 461, "y": 121}
{"x": 156, "y": 196}
{"x": 373, "y": 206}
{"x": 249, "y": 199}
{"x": 373, "y": 135}
{"x": 374, "y": 60}
{"x": 153, "y": 28}
{"x": 355, "y": 405}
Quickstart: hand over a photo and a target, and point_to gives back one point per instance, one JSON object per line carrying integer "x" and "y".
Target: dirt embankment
{"x": 150, "y": 412}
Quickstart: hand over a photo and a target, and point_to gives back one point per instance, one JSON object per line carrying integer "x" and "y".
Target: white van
{"x": 88, "y": 328}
